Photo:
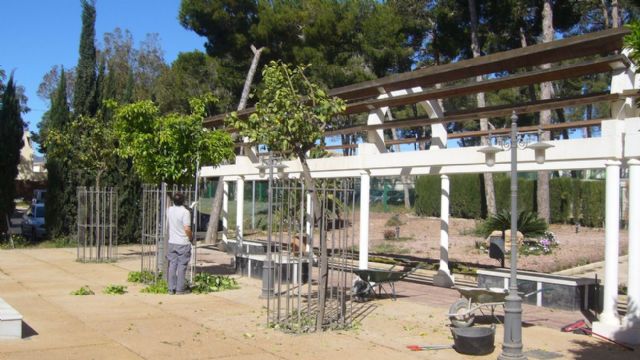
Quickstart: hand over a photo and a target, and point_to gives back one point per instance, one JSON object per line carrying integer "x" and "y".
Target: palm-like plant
{"x": 529, "y": 224}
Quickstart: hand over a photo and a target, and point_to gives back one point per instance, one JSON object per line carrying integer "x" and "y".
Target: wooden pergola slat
{"x": 521, "y": 79}
{"x": 487, "y": 112}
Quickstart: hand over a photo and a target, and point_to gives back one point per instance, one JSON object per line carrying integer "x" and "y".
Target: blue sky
{"x": 37, "y": 34}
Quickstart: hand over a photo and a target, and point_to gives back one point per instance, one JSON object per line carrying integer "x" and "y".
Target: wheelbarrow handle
{"x": 532, "y": 293}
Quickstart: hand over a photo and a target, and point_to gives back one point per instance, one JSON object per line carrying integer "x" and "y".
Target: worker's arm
{"x": 187, "y": 230}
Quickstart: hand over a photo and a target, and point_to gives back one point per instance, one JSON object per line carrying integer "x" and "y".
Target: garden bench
{"x": 10, "y": 322}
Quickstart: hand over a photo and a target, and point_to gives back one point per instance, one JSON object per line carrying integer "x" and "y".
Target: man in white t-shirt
{"x": 179, "y": 252}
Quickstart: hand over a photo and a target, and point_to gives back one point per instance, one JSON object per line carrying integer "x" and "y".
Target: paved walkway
{"x": 231, "y": 324}
{"x": 597, "y": 268}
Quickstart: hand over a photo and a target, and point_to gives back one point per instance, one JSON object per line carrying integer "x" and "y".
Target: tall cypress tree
{"x": 59, "y": 116}
{"x": 11, "y": 131}
{"x": 84, "y": 96}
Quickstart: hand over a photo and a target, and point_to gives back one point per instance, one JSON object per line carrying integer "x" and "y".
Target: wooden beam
{"x": 600, "y": 42}
{"x": 520, "y": 79}
{"x": 533, "y": 128}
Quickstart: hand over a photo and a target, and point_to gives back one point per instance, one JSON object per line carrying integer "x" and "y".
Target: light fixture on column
{"x": 280, "y": 169}
{"x": 522, "y": 142}
{"x": 262, "y": 169}
{"x": 540, "y": 149}
{"x": 490, "y": 154}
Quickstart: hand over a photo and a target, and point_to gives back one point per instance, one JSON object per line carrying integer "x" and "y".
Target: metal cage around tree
{"x": 293, "y": 301}
{"x": 97, "y": 237}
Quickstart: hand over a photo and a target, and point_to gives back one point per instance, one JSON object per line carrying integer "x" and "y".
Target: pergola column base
{"x": 443, "y": 279}
{"x": 628, "y": 333}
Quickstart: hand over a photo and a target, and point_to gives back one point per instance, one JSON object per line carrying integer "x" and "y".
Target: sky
{"x": 38, "y": 34}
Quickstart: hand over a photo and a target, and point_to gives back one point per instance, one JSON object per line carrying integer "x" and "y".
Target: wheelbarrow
{"x": 462, "y": 311}
{"x": 363, "y": 289}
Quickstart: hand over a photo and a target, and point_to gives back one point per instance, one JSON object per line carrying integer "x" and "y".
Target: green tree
{"x": 58, "y": 218}
{"x": 191, "y": 75}
{"x": 84, "y": 96}
{"x": 168, "y": 148}
{"x": 291, "y": 116}
{"x": 11, "y": 132}
{"x": 88, "y": 142}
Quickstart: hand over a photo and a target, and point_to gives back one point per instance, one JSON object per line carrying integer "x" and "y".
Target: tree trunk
{"x": 615, "y": 14}
{"x": 546, "y": 92}
{"x": 489, "y": 190}
{"x": 605, "y": 13}
{"x": 323, "y": 276}
{"x": 216, "y": 204}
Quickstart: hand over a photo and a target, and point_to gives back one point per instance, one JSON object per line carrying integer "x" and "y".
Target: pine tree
{"x": 58, "y": 117}
{"x": 11, "y": 132}
{"x": 84, "y": 97}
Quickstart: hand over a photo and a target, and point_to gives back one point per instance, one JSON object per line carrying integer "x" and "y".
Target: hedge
{"x": 570, "y": 199}
{"x": 465, "y": 200}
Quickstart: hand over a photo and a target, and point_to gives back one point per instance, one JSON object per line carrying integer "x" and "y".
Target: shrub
{"x": 389, "y": 234}
{"x": 394, "y": 221}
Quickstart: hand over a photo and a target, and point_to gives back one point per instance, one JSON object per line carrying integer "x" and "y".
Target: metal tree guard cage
{"x": 97, "y": 238}
{"x": 293, "y": 296}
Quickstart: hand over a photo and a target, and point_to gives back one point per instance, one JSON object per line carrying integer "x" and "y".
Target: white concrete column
{"x": 239, "y": 210}
{"x": 225, "y": 210}
{"x": 444, "y": 223}
{"x": 307, "y": 226}
{"x": 365, "y": 185}
{"x": 609, "y": 314}
{"x": 633, "y": 280}
{"x": 443, "y": 277}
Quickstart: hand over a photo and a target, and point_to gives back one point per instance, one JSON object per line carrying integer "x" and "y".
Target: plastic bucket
{"x": 474, "y": 340}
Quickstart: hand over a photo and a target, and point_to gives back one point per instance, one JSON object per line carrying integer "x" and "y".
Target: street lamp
{"x": 269, "y": 161}
{"x": 512, "y": 343}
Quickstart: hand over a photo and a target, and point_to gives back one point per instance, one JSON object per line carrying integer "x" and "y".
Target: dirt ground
{"x": 420, "y": 237}
{"x": 226, "y": 325}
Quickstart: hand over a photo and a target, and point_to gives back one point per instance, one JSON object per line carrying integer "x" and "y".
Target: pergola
{"x": 617, "y": 147}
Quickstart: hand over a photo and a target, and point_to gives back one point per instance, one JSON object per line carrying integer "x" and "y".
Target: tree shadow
{"x": 589, "y": 350}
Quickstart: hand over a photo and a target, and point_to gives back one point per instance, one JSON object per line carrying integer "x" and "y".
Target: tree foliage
{"x": 292, "y": 112}
{"x": 192, "y": 74}
{"x": 84, "y": 98}
{"x": 11, "y": 132}
{"x": 86, "y": 141}
{"x": 169, "y": 147}
{"x": 346, "y": 41}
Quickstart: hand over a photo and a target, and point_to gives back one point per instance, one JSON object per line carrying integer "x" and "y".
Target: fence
{"x": 97, "y": 224}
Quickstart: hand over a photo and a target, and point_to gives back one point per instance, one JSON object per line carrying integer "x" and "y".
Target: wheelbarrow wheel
{"x": 463, "y": 317}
